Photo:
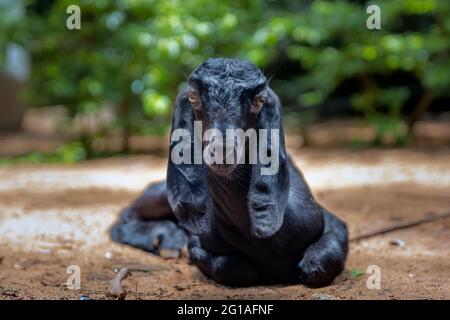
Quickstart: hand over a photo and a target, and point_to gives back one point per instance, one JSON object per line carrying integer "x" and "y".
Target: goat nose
{"x": 217, "y": 143}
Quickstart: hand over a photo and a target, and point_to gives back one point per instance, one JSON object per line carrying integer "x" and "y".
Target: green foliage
{"x": 357, "y": 272}
{"x": 330, "y": 41}
{"x": 132, "y": 53}
{"x": 135, "y": 54}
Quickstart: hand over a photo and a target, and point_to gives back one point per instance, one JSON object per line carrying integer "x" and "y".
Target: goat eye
{"x": 194, "y": 99}
{"x": 258, "y": 102}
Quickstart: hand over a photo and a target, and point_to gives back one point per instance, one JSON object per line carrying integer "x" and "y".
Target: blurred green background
{"x": 133, "y": 56}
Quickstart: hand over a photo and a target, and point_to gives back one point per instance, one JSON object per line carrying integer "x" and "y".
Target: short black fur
{"x": 242, "y": 228}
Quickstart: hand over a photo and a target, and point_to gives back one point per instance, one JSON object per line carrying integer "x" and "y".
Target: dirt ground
{"x": 52, "y": 217}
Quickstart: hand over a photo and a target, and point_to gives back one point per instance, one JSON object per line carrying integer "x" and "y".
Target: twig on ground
{"x": 399, "y": 226}
{"x": 115, "y": 288}
{"x": 418, "y": 194}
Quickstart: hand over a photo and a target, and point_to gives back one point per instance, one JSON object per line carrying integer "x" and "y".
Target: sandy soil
{"x": 52, "y": 217}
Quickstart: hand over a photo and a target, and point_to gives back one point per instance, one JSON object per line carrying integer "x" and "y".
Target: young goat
{"x": 242, "y": 227}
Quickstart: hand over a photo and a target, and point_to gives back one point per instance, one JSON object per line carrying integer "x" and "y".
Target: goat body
{"x": 242, "y": 227}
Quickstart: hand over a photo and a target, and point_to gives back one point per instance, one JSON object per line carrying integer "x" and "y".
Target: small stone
{"x": 11, "y": 292}
{"x": 397, "y": 242}
{"x": 46, "y": 251}
{"x": 323, "y": 296}
{"x": 85, "y": 297}
{"x": 108, "y": 255}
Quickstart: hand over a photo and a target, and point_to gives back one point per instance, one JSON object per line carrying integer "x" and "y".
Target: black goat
{"x": 242, "y": 227}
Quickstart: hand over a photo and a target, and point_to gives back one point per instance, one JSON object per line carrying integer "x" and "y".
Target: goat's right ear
{"x": 268, "y": 192}
{"x": 187, "y": 187}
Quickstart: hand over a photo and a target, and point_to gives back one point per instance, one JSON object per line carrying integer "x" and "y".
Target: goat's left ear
{"x": 259, "y": 95}
{"x": 187, "y": 187}
{"x": 269, "y": 182}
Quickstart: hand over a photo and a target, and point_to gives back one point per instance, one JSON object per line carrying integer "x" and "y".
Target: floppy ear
{"x": 268, "y": 192}
{"x": 187, "y": 187}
